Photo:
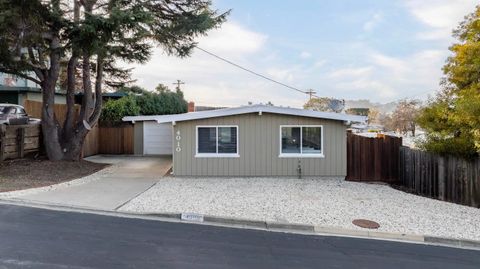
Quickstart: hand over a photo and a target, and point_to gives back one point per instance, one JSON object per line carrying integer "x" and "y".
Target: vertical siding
{"x": 138, "y": 138}
{"x": 259, "y": 147}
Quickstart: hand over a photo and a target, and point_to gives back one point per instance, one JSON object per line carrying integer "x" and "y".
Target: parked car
{"x": 13, "y": 114}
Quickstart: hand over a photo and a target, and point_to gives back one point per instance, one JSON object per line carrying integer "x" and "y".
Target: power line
{"x": 252, "y": 72}
{"x": 311, "y": 93}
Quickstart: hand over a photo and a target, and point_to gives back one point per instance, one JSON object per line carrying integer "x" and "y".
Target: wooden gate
{"x": 373, "y": 158}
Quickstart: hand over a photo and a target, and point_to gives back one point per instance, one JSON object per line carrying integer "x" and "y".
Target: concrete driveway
{"x": 130, "y": 177}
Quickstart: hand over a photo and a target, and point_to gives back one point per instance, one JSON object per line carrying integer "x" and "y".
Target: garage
{"x": 152, "y": 138}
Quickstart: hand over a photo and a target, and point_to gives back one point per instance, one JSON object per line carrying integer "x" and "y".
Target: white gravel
{"x": 75, "y": 182}
{"x": 322, "y": 202}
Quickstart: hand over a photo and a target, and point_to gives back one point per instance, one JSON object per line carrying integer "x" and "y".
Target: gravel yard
{"x": 322, "y": 202}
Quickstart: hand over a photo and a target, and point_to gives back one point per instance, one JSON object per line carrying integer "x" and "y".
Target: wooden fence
{"x": 116, "y": 140}
{"x": 34, "y": 109}
{"x": 442, "y": 177}
{"x": 100, "y": 140}
{"x": 91, "y": 144}
{"x": 372, "y": 158}
{"x": 18, "y": 140}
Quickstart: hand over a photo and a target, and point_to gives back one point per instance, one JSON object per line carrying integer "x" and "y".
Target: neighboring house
{"x": 18, "y": 95}
{"x": 15, "y": 90}
{"x": 255, "y": 140}
{"x": 363, "y": 128}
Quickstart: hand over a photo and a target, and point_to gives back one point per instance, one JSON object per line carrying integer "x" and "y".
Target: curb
{"x": 452, "y": 242}
{"x": 371, "y": 234}
{"x": 261, "y": 225}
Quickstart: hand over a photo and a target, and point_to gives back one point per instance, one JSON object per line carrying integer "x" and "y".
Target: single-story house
{"x": 255, "y": 140}
{"x": 18, "y": 95}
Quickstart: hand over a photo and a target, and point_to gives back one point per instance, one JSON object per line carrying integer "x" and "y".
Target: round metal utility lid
{"x": 365, "y": 223}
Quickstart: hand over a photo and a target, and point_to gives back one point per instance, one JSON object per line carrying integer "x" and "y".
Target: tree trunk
{"x": 51, "y": 139}
{"x": 51, "y": 129}
{"x": 74, "y": 147}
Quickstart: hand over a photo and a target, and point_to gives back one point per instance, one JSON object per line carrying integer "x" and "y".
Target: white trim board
{"x": 248, "y": 109}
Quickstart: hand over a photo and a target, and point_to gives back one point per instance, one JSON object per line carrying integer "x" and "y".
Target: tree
{"x": 373, "y": 115}
{"x": 36, "y": 36}
{"x": 404, "y": 116}
{"x": 452, "y": 118}
{"x": 358, "y": 111}
{"x": 132, "y": 90}
{"x": 114, "y": 110}
{"x": 387, "y": 122}
{"x": 325, "y": 104}
{"x": 161, "y": 101}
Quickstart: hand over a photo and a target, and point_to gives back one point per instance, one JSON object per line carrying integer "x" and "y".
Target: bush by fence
{"x": 442, "y": 177}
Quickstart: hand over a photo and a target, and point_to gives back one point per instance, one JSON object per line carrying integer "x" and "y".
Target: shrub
{"x": 114, "y": 110}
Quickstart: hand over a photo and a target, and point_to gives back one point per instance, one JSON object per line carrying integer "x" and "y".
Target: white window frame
{"x": 301, "y": 154}
{"x": 215, "y": 155}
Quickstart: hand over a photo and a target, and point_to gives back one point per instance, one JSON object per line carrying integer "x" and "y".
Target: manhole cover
{"x": 365, "y": 223}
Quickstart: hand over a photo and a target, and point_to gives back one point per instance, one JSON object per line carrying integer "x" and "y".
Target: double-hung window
{"x": 217, "y": 141}
{"x": 301, "y": 141}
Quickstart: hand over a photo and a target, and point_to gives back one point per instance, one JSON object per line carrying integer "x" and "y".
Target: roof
{"x": 15, "y": 89}
{"x": 245, "y": 110}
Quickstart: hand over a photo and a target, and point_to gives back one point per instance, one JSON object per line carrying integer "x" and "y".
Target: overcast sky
{"x": 381, "y": 50}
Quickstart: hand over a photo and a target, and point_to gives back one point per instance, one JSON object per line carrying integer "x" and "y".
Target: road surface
{"x": 39, "y": 238}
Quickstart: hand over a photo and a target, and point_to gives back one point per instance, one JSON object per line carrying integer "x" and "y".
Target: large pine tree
{"x": 91, "y": 36}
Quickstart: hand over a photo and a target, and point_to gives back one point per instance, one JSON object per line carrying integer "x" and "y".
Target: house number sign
{"x": 178, "y": 138}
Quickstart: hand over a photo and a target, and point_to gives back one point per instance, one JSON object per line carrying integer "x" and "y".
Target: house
{"x": 18, "y": 95}
{"x": 16, "y": 90}
{"x": 256, "y": 140}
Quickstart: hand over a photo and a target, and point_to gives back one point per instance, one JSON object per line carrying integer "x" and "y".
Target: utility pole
{"x": 310, "y": 93}
{"x": 178, "y": 83}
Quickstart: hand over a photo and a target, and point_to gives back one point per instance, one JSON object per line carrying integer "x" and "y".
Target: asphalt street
{"x": 40, "y": 238}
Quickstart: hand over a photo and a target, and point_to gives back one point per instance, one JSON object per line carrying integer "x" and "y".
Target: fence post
{"x": 2, "y": 141}
{"x": 21, "y": 141}
{"x": 441, "y": 178}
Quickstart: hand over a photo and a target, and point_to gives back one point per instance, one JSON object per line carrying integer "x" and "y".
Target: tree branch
{"x": 19, "y": 74}
{"x": 98, "y": 92}
{"x": 70, "y": 97}
{"x": 87, "y": 87}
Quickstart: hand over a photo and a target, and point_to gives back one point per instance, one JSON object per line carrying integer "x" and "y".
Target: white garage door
{"x": 157, "y": 138}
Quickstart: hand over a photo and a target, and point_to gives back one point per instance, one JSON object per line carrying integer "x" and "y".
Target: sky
{"x": 382, "y": 50}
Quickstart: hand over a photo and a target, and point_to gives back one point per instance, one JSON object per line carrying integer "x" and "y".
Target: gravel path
{"x": 322, "y": 202}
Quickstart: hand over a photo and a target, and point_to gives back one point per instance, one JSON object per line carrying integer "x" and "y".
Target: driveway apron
{"x": 130, "y": 177}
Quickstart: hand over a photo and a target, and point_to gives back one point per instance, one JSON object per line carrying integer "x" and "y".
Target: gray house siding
{"x": 138, "y": 138}
{"x": 259, "y": 146}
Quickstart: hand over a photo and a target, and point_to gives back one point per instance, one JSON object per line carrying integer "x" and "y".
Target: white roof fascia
{"x": 245, "y": 110}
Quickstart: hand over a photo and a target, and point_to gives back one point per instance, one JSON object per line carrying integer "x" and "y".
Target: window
{"x": 217, "y": 141}
{"x": 301, "y": 141}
